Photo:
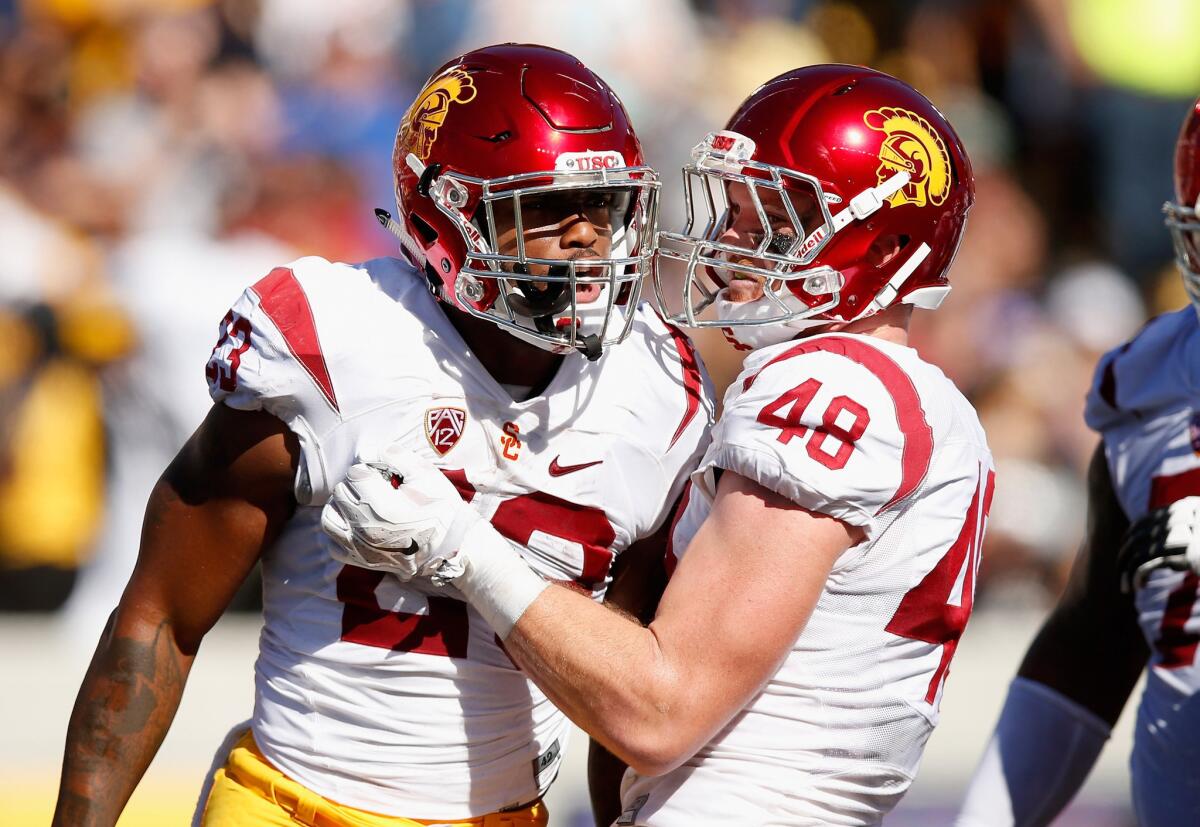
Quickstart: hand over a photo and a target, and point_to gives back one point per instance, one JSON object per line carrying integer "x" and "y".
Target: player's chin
{"x": 741, "y": 290}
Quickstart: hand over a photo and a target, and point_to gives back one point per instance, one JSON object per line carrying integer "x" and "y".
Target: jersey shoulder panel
{"x": 268, "y": 354}
{"x": 1157, "y": 369}
{"x": 295, "y": 344}
{"x": 833, "y": 423}
{"x": 273, "y": 350}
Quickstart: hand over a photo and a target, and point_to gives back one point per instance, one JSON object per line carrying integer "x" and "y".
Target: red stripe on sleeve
{"x": 691, "y": 380}
{"x": 282, "y": 298}
{"x": 918, "y": 436}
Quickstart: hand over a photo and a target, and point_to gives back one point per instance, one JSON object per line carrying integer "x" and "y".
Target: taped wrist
{"x": 1042, "y": 750}
{"x": 495, "y": 579}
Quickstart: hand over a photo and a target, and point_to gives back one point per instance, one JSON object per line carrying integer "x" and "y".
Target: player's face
{"x": 744, "y": 228}
{"x": 565, "y": 225}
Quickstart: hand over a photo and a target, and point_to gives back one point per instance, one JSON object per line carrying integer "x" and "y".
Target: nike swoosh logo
{"x": 557, "y": 470}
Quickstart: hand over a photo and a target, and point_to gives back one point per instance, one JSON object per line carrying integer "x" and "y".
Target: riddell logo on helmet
{"x": 428, "y": 112}
{"x": 911, "y": 145}
{"x": 589, "y": 161}
{"x": 810, "y": 243}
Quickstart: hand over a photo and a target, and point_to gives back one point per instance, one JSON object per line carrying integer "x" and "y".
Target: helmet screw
{"x": 472, "y": 290}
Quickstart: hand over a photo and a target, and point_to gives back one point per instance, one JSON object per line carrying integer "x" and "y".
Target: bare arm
{"x": 221, "y": 501}
{"x": 1091, "y": 649}
{"x": 734, "y": 607}
{"x": 636, "y": 589}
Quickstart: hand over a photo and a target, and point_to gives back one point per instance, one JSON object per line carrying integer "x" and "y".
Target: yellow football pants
{"x": 249, "y": 792}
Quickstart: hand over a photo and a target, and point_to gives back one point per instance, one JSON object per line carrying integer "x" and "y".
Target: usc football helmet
{"x": 1183, "y": 214}
{"x": 840, "y": 189}
{"x": 508, "y": 141}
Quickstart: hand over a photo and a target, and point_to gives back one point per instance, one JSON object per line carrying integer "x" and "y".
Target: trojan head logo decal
{"x": 428, "y": 112}
{"x": 911, "y": 145}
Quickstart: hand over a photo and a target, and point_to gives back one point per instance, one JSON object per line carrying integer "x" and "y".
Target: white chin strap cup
{"x": 867, "y": 202}
{"x": 862, "y": 206}
{"x": 888, "y": 293}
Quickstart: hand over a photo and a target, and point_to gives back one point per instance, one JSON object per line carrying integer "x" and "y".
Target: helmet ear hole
{"x": 885, "y": 248}
{"x": 428, "y": 234}
{"x": 431, "y": 275}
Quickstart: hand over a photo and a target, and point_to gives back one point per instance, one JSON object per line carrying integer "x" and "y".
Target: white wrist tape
{"x": 496, "y": 580}
{"x": 1044, "y": 746}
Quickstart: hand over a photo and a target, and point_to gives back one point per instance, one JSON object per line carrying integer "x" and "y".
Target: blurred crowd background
{"x": 156, "y": 156}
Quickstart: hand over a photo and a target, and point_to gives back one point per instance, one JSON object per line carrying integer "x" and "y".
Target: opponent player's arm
{"x": 730, "y": 614}
{"x": 1071, "y": 686}
{"x": 221, "y": 501}
{"x": 1091, "y": 648}
{"x": 638, "y": 581}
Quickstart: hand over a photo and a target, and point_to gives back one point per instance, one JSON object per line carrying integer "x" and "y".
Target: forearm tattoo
{"x": 124, "y": 708}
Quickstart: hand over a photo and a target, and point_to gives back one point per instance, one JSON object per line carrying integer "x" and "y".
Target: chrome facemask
{"x": 1184, "y": 224}
{"x": 542, "y": 308}
{"x": 777, "y": 253}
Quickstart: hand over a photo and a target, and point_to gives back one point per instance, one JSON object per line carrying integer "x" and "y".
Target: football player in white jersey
{"x": 828, "y": 545}
{"x": 1132, "y": 597}
{"x": 511, "y": 351}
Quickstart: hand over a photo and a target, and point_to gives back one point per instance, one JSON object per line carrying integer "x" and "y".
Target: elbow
{"x": 652, "y": 763}
{"x": 656, "y": 750}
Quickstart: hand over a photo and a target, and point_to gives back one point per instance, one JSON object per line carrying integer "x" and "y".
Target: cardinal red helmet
{"x": 1183, "y": 215}
{"x": 856, "y": 190}
{"x": 504, "y": 130}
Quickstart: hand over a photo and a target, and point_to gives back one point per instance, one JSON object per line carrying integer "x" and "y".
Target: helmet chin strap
{"x": 869, "y": 200}
{"x": 865, "y": 204}
{"x": 406, "y": 243}
{"x": 588, "y": 344}
{"x": 540, "y": 304}
{"x": 742, "y": 316}
{"x": 887, "y": 294}
{"x": 543, "y": 309}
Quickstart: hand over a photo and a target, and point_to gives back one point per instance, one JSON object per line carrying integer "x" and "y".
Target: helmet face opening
{"x": 753, "y": 222}
{"x": 561, "y": 303}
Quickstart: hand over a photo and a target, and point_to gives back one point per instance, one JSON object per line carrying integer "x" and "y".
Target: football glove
{"x": 399, "y": 514}
{"x": 1166, "y": 538}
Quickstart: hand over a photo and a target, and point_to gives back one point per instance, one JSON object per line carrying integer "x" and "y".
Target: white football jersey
{"x": 865, "y": 431}
{"x": 1145, "y": 402}
{"x": 395, "y": 698}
